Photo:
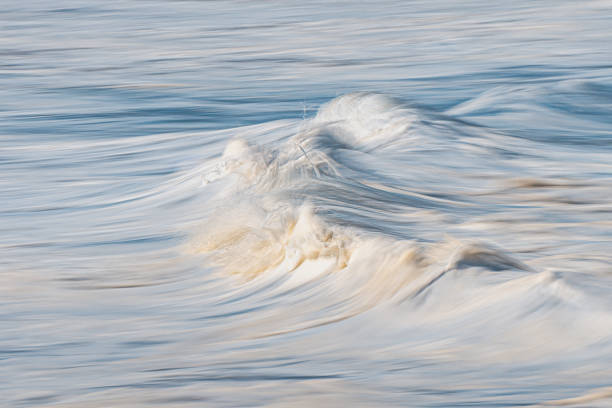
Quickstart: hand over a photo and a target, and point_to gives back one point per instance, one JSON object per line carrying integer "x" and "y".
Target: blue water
{"x": 305, "y": 204}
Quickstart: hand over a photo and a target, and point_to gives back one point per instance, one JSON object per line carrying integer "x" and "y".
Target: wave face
{"x": 354, "y": 209}
{"x": 207, "y": 213}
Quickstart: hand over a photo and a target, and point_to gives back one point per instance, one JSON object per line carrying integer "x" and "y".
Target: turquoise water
{"x": 305, "y": 204}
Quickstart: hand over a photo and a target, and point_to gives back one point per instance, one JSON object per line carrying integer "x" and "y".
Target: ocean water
{"x": 299, "y": 204}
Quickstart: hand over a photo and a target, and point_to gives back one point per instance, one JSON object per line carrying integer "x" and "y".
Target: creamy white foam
{"x": 321, "y": 219}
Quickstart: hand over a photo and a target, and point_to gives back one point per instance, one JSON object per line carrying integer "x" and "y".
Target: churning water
{"x": 292, "y": 203}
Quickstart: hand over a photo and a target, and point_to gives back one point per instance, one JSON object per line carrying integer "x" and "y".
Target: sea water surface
{"x": 299, "y": 204}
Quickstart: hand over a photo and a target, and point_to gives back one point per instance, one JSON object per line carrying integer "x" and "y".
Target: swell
{"x": 318, "y": 216}
{"x": 571, "y": 112}
{"x": 376, "y": 205}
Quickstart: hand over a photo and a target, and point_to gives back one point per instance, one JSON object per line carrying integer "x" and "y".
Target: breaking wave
{"x": 332, "y": 218}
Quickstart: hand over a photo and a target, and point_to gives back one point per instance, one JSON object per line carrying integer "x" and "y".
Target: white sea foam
{"x": 302, "y": 217}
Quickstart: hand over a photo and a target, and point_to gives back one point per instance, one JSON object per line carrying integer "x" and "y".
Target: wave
{"x": 573, "y": 112}
{"x": 355, "y": 210}
{"x": 317, "y": 208}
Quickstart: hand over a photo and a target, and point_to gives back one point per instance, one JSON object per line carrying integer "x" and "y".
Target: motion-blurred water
{"x": 305, "y": 203}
